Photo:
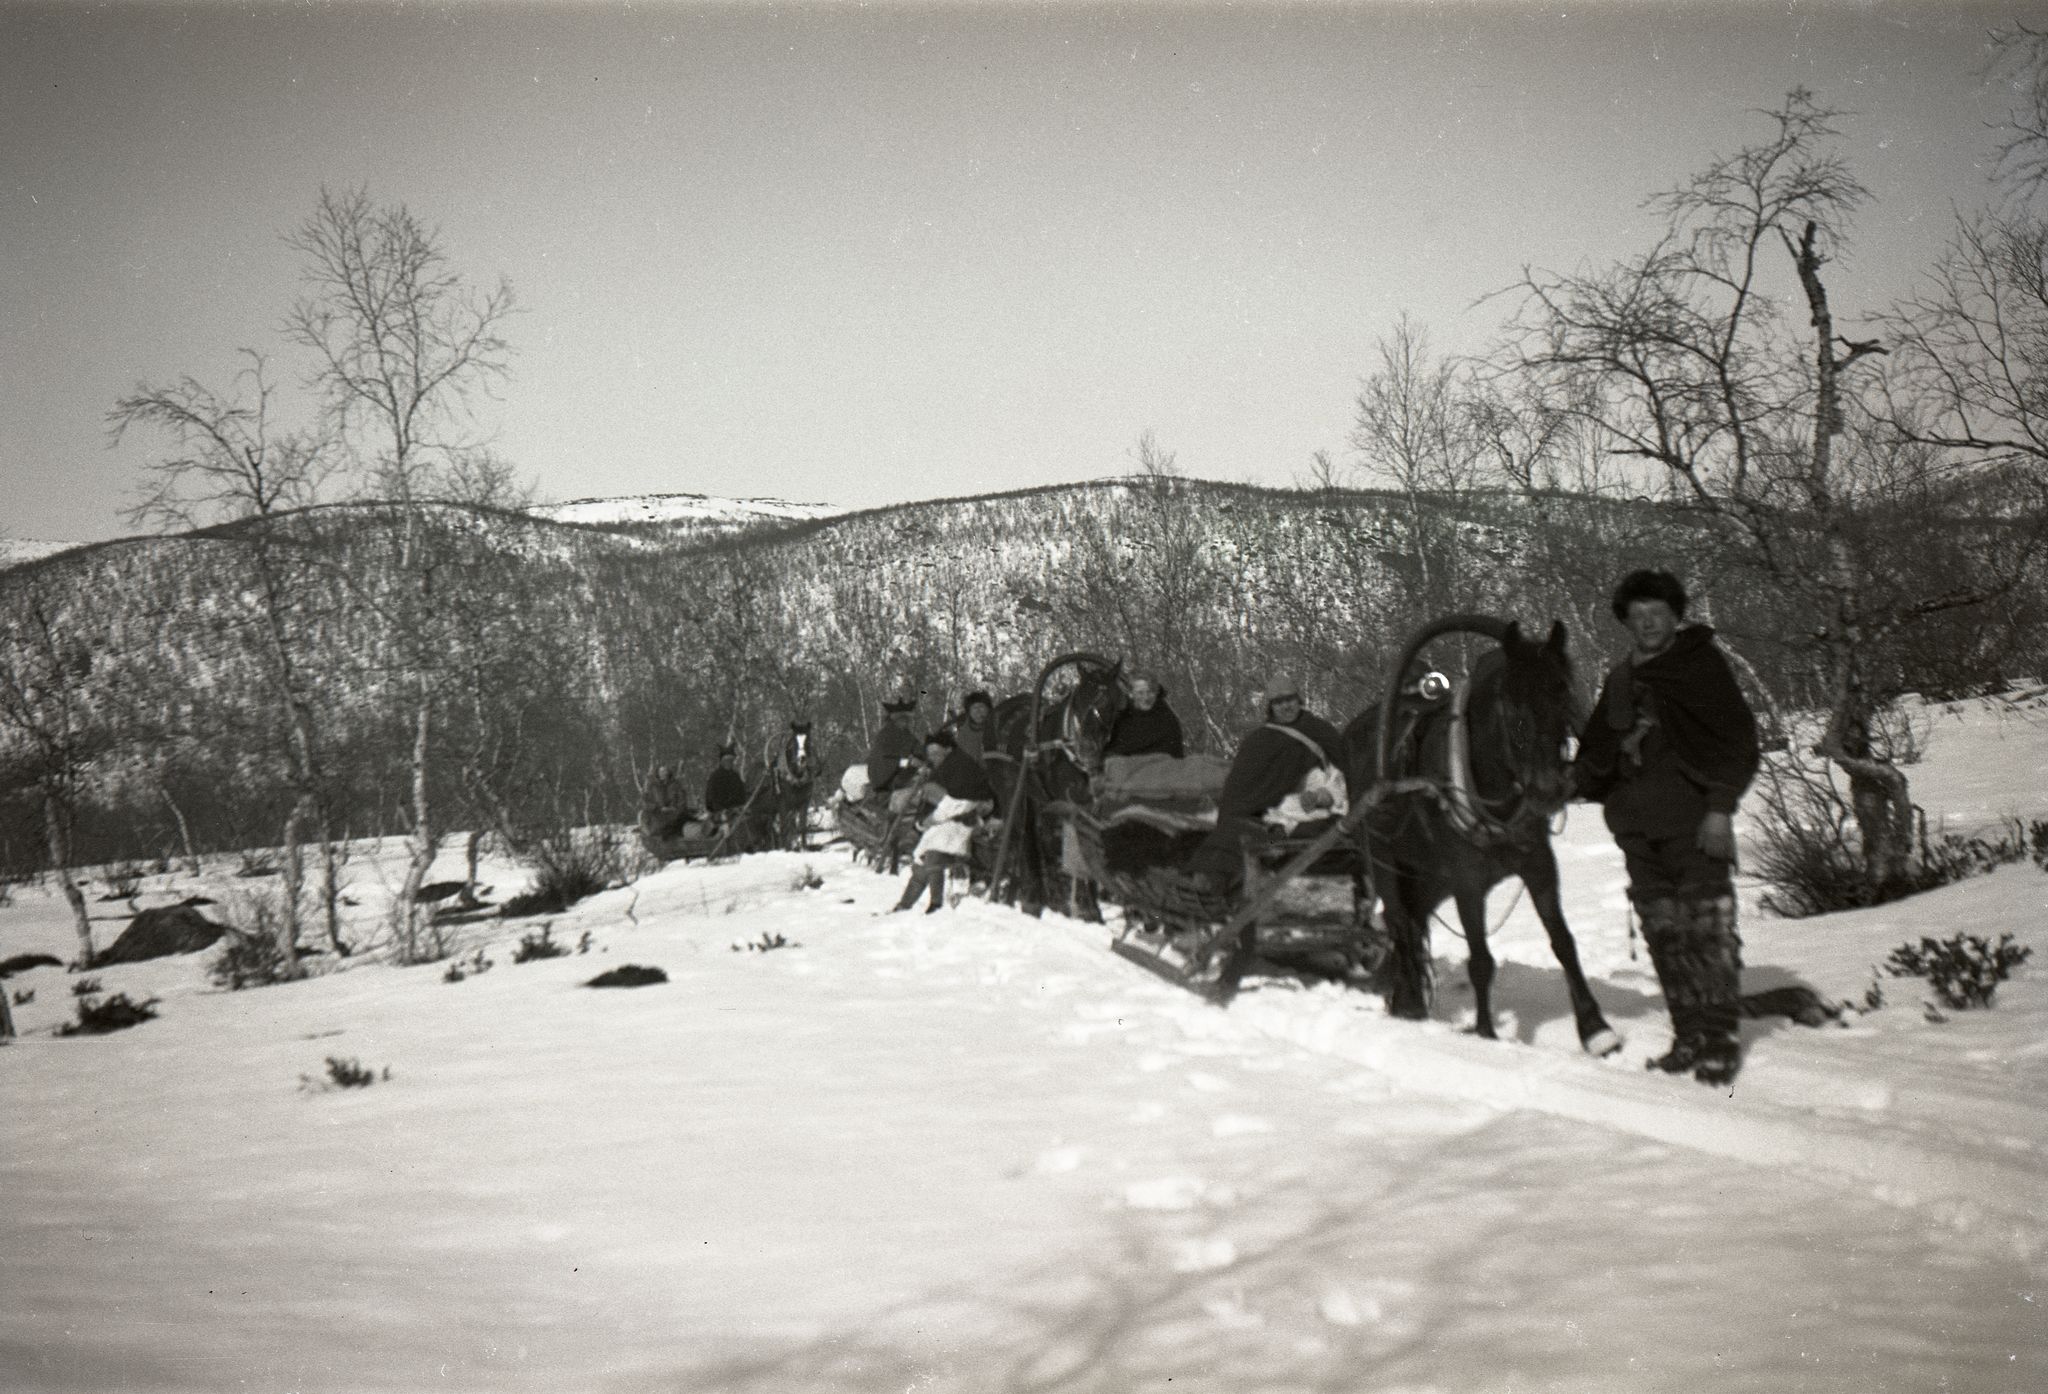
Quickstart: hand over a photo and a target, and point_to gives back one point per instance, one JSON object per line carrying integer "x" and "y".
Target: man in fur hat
{"x": 725, "y": 792}
{"x": 895, "y": 754}
{"x": 974, "y": 728}
{"x": 1669, "y": 750}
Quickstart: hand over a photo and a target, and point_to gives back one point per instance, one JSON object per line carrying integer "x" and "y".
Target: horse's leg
{"x": 1539, "y": 874}
{"x": 1479, "y": 965}
{"x": 1408, "y": 957}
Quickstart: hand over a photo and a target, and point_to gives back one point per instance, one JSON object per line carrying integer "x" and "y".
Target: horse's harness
{"x": 1511, "y": 821}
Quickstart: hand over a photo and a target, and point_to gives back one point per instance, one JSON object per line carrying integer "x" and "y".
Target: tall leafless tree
{"x": 1716, "y": 357}
{"x": 231, "y": 465}
{"x": 403, "y": 349}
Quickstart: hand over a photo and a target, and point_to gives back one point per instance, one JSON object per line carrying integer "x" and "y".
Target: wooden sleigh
{"x": 1208, "y": 939}
{"x": 884, "y": 839}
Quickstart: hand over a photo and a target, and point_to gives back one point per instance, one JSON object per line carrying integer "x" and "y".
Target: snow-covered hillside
{"x": 16, "y": 550}
{"x": 841, "y": 1150}
{"x": 685, "y": 512}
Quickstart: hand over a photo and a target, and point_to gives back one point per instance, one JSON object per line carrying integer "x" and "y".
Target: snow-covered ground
{"x": 976, "y": 1152}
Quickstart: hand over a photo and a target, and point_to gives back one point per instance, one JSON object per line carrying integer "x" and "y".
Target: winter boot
{"x": 1665, "y": 935}
{"x": 919, "y": 878}
{"x": 938, "y": 884}
{"x": 1716, "y": 951}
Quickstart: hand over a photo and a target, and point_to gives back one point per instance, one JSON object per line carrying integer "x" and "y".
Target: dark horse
{"x": 1494, "y": 755}
{"x": 1045, "y": 751}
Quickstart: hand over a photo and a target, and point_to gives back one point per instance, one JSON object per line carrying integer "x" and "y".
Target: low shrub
{"x": 1964, "y": 970}
{"x": 86, "y": 987}
{"x": 570, "y": 864}
{"x": 470, "y": 967}
{"x": 116, "y": 1013}
{"x": 767, "y": 943}
{"x": 343, "y": 1074}
{"x": 249, "y": 954}
{"x": 1809, "y": 852}
{"x": 539, "y": 945}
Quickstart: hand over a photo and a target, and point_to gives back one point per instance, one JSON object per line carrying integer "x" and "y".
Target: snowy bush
{"x": 570, "y": 864}
{"x": 1810, "y": 855}
{"x": 1964, "y": 970}
{"x": 116, "y": 1013}
{"x": 343, "y": 1074}
{"x": 247, "y": 959}
{"x": 466, "y": 968}
{"x": 540, "y": 945}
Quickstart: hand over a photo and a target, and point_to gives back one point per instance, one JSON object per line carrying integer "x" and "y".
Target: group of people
{"x": 940, "y": 781}
{"x": 667, "y": 811}
{"x": 1669, "y": 751}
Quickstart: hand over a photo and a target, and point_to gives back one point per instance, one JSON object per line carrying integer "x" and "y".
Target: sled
{"x": 1208, "y": 940}
{"x": 884, "y": 840}
{"x": 683, "y": 846}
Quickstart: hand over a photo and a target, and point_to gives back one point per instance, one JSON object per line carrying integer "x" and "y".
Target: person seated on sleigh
{"x": 1145, "y": 760}
{"x": 895, "y": 756}
{"x": 725, "y": 792}
{"x": 960, "y": 796}
{"x": 664, "y": 804}
{"x": 1288, "y": 774}
{"x": 973, "y": 730}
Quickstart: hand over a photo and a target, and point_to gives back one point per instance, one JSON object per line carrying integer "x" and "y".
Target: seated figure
{"x": 1274, "y": 764}
{"x": 961, "y": 796}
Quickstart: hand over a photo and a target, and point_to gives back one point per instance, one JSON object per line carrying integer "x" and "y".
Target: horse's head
{"x": 1533, "y": 717}
{"x": 1097, "y": 700}
{"x": 798, "y": 753}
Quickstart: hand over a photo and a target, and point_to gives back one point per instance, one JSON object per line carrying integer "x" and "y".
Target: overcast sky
{"x": 855, "y": 254}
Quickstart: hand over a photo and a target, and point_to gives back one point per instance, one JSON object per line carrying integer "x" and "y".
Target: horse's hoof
{"x": 1602, "y": 1043}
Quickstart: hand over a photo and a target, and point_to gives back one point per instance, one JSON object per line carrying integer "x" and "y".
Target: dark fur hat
{"x": 944, "y": 738}
{"x": 728, "y": 749}
{"x": 1649, "y": 585}
{"x": 904, "y": 704}
{"x": 977, "y": 696}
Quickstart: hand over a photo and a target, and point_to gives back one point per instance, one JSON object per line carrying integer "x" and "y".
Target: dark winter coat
{"x": 970, "y": 738}
{"x": 1154, "y": 732}
{"x": 1271, "y": 764}
{"x": 1671, "y": 739}
{"x": 894, "y": 749}
{"x": 724, "y": 791}
{"x": 961, "y": 776}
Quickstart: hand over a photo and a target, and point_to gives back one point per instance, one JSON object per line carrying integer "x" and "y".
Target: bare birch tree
{"x": 403, "y": 348}
{"x": 1695, "y": 357}
{"x": 231, "y": 465}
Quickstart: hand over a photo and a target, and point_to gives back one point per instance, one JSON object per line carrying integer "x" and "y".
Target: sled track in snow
{"x": 1773, "y": 1116}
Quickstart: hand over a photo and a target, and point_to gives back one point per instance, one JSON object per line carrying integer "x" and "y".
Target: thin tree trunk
{"x": 1879, "y": 792}
{"x": 57, "y": 829}
{"x": 287, "y": 931}
{"x": 184, "y": 829}
{"x": 424, "y": 840}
